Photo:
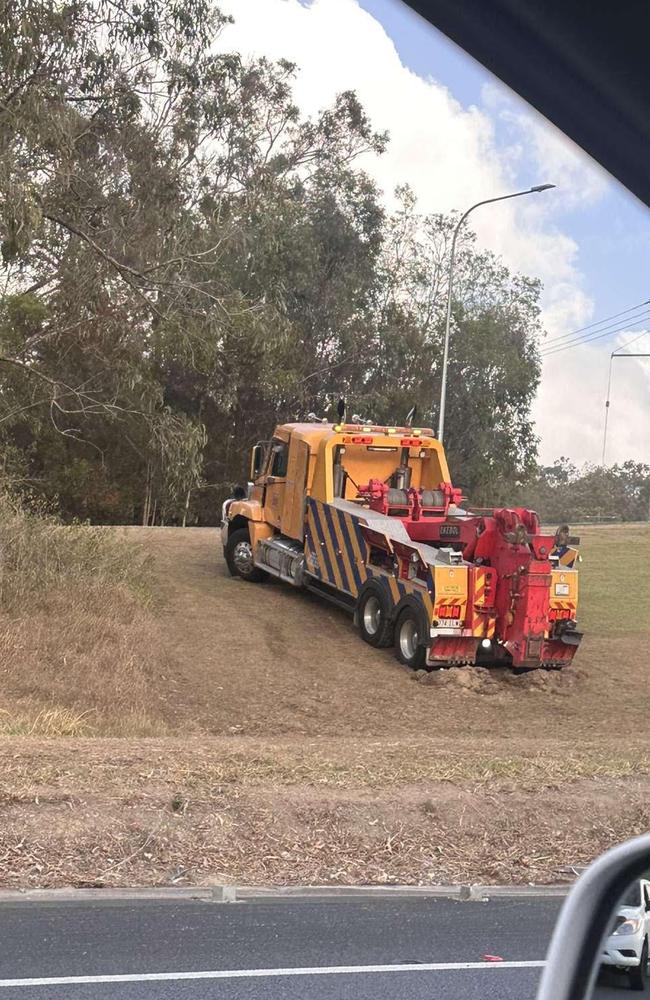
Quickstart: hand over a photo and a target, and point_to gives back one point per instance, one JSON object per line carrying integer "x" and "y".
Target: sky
{"x": 457, "y": 136}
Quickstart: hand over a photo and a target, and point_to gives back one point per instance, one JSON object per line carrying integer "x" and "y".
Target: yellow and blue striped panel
{"x": 336, "y": 553}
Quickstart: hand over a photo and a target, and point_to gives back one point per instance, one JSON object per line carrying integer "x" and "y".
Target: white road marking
{"x": 318, "y": 970}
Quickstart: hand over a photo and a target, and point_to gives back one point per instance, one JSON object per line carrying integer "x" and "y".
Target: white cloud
{"x": 534, "y": 141}
{"x": 453, "y": 156}
{"x": 338, "y": 46}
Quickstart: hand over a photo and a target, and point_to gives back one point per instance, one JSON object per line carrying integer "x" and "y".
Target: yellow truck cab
{"x": 366, "y": 516}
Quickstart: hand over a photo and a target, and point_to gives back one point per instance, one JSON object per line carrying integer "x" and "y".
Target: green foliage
{"x": 189, "y": 260}
{"x": 562, "y": 493}
{"x": 494, "y": 361}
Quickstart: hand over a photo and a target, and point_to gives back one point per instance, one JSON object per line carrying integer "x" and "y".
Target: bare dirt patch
{"x": 264, "y": 659}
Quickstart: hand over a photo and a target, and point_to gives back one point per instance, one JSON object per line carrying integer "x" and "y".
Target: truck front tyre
{"x": 373, "y": 618}
{"x": 239, "y": 557}
{"x": 409, "y": 647}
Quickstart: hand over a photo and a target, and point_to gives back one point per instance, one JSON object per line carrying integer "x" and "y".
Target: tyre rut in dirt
{"x": 239, "y": 557}
{"x": 374, "y": 616}
{"x": 410, "y": 638}
{"x": 638, "y": 976}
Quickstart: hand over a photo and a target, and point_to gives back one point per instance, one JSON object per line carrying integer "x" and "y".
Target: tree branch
{"x": 122, "y": 269}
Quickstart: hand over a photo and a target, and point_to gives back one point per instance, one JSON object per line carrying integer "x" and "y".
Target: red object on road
{"x": 492, "y": 958}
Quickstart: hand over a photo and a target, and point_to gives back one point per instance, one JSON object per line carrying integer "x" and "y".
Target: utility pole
{"x": 612, "y": 356}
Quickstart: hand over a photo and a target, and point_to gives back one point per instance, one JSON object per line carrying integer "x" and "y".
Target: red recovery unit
{"x": 513, "y": 569}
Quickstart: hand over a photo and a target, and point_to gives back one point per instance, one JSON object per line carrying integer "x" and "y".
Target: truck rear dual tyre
{"x": 239, "y": 557}
{"x": 374, "y": 617}
{"x": 410, "y": 638}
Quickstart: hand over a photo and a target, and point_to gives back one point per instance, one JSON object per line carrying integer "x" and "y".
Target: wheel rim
{"x": 242, "y": 557}
{"x": 408, "y": 639}
{"x": 372, "y": 615}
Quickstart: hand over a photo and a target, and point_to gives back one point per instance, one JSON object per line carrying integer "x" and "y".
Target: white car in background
{"x": 626, "y": 948}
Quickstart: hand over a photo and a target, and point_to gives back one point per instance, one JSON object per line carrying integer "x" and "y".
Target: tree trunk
{"x": 187, "y": 507}
{"x": 147, "y": 497}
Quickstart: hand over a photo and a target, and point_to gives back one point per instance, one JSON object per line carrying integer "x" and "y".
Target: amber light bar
{"x": 390, "y": 431}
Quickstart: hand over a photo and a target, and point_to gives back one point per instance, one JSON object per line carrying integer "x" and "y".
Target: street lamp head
{"x": 542, "y": 187}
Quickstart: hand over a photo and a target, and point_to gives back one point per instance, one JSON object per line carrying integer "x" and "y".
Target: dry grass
{"x": 196, "y": 766}
{"x": 98, "y": 812}
{"x": 38, "y": 555}
{"x": 48, "y": 723}
{"x": 311, "y": 761}
{"x": 79, "y": 646}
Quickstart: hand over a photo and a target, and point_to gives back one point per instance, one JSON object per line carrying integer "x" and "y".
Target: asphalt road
{"x": 191, "y": 950}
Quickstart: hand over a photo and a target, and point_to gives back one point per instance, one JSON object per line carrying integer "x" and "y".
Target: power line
{"x": 595, "y": 336}
{"x": 590, "y": 326}
{"x": 581, "y": 343}
{"x": 587, "y": 340}
{"x": 630, "y": 342}
{"x": 612, "y": 328}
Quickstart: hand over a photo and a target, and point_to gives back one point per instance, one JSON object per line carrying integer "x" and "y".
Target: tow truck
{"x": 367, "y": 517}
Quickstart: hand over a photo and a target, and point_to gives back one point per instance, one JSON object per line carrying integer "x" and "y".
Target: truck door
{"x": 276, "y": 481}
{"x": 293, "y": 513}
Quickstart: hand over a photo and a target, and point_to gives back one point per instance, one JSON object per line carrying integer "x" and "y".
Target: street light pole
{"x": 445, "y": 355}
{"x": 613, "y": 355}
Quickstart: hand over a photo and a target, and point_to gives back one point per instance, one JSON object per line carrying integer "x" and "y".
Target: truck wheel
{"x": 373, "y": 618}
{"x": 639, "y": 973}
{"x": 239, "y": 557}
{"x": 409, "y": 648}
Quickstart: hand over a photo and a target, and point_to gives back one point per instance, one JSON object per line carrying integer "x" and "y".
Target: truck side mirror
{"x": 257, "y": 460}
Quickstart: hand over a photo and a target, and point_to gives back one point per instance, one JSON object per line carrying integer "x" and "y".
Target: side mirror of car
{"x": 601, "y": 929}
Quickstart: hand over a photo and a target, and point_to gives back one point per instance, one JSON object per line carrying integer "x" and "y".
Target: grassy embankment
{"x": 280, "y": 761}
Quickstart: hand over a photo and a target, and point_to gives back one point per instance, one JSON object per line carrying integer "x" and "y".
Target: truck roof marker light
{"x": 416, "y": 432}
{"x": 366, "y": 430}
{"x": 338, "y": 428}
{"x": 391, "y": 430}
